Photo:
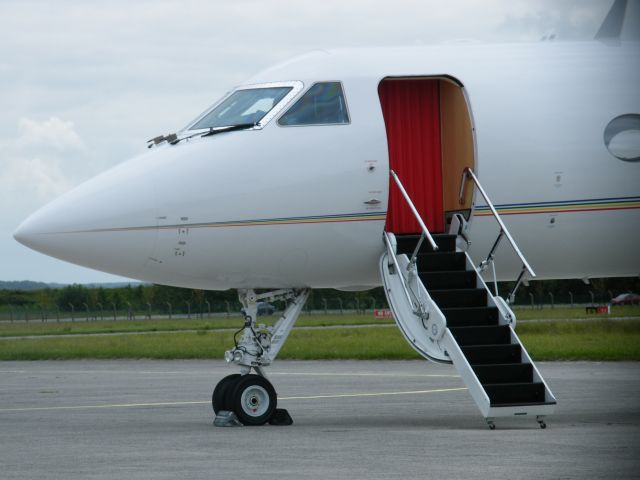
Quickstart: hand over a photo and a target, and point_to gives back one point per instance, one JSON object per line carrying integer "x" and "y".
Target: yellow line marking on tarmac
{"x": 85, "y": 407}
{"x": 169, "y": 404}
{"x": 225, "y": 372}
{"x": 390, "y": 374}
{"x": 382, "y": 394}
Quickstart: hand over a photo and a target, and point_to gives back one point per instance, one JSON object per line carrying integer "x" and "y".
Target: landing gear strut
{"x": 247, "y": 398}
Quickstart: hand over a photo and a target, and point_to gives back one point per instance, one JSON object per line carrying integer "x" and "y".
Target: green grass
{"x": 166, "y": 325}
{"x": 366, "y": 343}
{"x": 163, "y": 345}
{"x": 36, "y": 327}
{"x": 567, "y": 340}
{"x": 566, "y": 313}
{"x": 599, "y": 340}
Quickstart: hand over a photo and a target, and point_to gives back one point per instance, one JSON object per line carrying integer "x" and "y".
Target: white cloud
{"x": 40, "y": 163}
{"x": 33, "y": 178}
{"x": 52, "y": 133}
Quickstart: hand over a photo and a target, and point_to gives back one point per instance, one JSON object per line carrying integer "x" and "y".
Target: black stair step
{"x": 471, "y": 317}
{"x": 468, "y": 297}
{"x": 495, "y": 335}
{"x": 504, "y": 373}
{"x": 407, "y": 243}
{"x": 454, "y": 279}
{"x": 441, "y": 261}
{"x": 486, "y": 354}
{"x": 515, "y": 393}
{"x": 529, "y": 404}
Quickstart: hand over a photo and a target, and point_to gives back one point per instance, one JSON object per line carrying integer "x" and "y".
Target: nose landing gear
{"x": 247, "y": 398}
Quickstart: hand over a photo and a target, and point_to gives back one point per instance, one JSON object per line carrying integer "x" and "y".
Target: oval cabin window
{"x": 622, "y": 137}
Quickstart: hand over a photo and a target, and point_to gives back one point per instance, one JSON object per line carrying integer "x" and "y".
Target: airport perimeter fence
{"x": 215, "y": 310}
{"x": 184, "y": 310}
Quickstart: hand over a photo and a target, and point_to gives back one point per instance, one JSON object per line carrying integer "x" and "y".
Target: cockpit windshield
{"x": 245, "y": 106}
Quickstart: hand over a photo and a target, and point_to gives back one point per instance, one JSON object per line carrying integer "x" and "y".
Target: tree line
{"x": 161, "y": 298}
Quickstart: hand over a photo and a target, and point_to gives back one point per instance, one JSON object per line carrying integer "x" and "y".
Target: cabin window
{"x": 323, "y": 104}
{"x": 622, "y": 137}
{"x": 243, "y": 106}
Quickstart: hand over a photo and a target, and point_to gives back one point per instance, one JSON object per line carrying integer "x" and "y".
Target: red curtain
{"x": 411, "y": 110}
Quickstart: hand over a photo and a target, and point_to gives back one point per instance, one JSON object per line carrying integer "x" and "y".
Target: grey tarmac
{"x": 148, "y": 419}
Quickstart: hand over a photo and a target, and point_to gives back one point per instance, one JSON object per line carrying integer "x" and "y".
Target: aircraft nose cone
{"x": 25, "y": 233}
{"x": 107, "y": 223}
{"x": 32, "y": 232}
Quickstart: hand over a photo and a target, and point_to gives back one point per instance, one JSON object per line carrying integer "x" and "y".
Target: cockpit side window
{"x": 244, "y": 106}
{"x": 323, "y": 104}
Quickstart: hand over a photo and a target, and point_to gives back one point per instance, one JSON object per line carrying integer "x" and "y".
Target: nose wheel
{"x": 251, "y": 397}
{"x": 219, "y": 399}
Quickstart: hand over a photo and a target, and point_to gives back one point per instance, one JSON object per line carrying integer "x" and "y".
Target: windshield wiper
{"x": 229, "y": 128}
{"x": 171, "y": 137}
{"x": 174, "y": 139}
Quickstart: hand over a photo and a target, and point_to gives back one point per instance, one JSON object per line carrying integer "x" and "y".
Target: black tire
{"x": 253, "y": 399}
{"x": 220, "y": 397}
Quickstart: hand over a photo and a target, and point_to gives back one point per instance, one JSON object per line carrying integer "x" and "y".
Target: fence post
{"x": 593, "y": 298}
{"x": 373, "y": 304}
{"x": 101, "y": 312}
{"x": 169, "y": 305}
{"x": 208, "y": 308}
{"x": 228, "y": 308}
{"x": 115, "y": 313}
{"x": 552, "y": 302}
{"x": 341, "y": 309}
{"x": 129, "y": 313}
{"x": 86, "y": 306}
{"x": 73, "y": 311}
{"x": 188, "y": 309}
{"x": 533, "y": 303}
{"x": 571, "y": 298}
{"x": 324, "y": 303}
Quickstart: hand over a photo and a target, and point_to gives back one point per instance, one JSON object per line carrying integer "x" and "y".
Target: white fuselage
{"x": 285, "y": 206}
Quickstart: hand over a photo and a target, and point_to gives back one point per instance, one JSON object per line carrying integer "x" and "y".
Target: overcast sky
{"x": 83, "y": 83}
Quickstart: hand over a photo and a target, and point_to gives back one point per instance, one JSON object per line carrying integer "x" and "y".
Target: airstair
{"x": 448, "y": 314}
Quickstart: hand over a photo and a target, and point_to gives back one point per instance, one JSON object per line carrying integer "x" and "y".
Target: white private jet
{"x": 413, "y": 168}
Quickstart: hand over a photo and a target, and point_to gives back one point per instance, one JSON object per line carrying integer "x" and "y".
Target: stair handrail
{"x": 466, "y": 174}
{"x": 425, "y": 230}
{"x": 417, "y": 307}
